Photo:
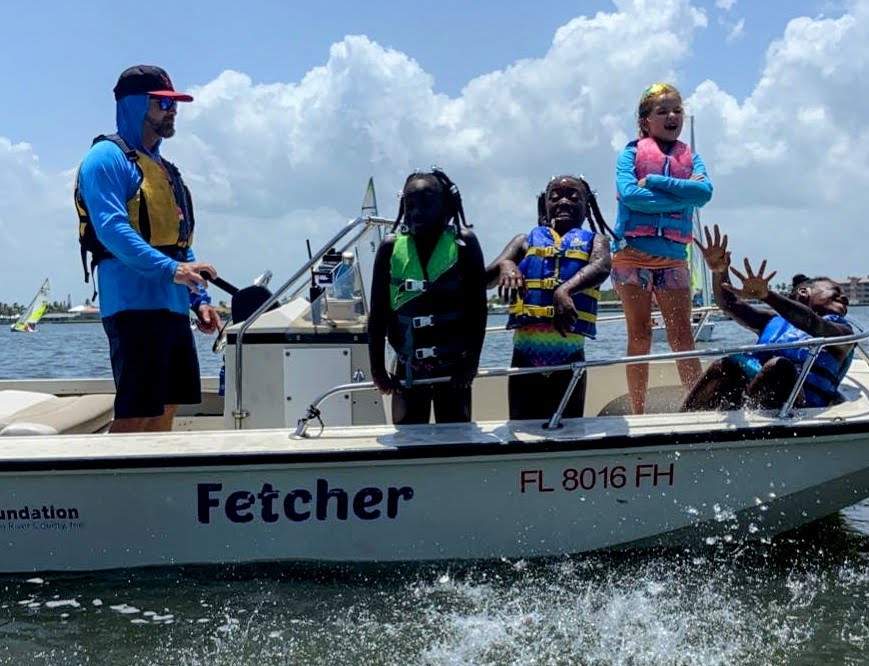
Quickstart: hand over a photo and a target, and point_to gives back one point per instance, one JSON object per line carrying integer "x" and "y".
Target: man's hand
{"x": 753, "y": 286}
{"x": 188, "y": 274}
{"x": 641, "y": 182}
{"x": 565, "y": 311}
{"x": 208, "y": 320}
{"x": 715, "y": 253}
{"x": 511, "y": 282}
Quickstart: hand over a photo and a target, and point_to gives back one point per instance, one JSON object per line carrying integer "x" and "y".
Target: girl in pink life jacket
{"x": 659, "y": 183}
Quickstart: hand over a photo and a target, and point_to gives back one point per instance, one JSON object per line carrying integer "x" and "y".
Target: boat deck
{"x": 278, "y": 446}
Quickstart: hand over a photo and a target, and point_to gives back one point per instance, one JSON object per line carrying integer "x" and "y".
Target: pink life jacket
{"x": 679, "y": 163}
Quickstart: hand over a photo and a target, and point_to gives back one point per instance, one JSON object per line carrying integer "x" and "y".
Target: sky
{"x": 297, "y": 104}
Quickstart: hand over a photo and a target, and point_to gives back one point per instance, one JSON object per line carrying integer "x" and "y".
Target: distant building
{"x": 856, "y": 289}
{"x": 86, "y": 309}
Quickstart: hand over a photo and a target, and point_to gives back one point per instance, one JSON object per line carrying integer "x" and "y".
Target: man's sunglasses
{"x": 167, "y": 103}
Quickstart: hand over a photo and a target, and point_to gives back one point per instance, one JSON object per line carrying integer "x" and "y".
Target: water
{"x": 801, "y": 599}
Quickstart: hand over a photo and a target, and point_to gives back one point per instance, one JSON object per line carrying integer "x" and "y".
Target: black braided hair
{"x": 452, "y": 197}
{"x": 592, "y": 209}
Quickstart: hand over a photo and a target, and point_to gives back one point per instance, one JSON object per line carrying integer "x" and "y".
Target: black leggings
{"x": 537, "y": 396}
{"x": 451, "y": 405}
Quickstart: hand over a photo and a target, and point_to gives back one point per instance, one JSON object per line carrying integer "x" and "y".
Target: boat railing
{"x": 704, "y": 312}
{"x": 360, "y": 226}
{"x": 814, "y": 345}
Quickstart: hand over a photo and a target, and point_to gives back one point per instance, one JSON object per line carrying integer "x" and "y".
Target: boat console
{"x": 296, "y": 352}
{"x": 316, "y": 339}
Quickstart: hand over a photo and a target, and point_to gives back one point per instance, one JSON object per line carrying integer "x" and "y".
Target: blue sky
{"x": 501, "y": 95}
{"x": 62, "y": 87}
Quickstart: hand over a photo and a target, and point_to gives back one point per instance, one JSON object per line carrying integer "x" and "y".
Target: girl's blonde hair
{"x": 647, "y": 102}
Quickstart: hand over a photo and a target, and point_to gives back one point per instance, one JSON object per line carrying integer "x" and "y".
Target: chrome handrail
{"x": 705, "y": 311}
{"x": 705, "y": 316}
{"x": 239, "y": 413}
{"x": 814, "y": 344}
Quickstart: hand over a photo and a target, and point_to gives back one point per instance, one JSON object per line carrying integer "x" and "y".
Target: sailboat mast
{"x": 700, "y": 264}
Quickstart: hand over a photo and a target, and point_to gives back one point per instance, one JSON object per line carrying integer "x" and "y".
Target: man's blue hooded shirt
{"x": 137, "y": 277}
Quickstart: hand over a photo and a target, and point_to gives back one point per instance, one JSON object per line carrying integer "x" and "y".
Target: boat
{"x": 298, "y": 461}
{"x": 28, "y": 320}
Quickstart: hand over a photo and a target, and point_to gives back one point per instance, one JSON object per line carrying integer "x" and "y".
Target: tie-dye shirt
{"x": 539, "y": 345}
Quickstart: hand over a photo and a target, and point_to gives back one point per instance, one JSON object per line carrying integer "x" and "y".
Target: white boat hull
{"x": 481, "y": 491}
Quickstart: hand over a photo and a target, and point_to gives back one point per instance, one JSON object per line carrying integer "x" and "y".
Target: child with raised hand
{"x": 816, "y": 307}
{"x": 659, "y": 183}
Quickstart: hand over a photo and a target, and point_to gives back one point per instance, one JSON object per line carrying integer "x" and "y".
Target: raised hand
{"x": 715, "y": 253}
{"x": 511, "y": 282}
{"x": 753, "y": 285}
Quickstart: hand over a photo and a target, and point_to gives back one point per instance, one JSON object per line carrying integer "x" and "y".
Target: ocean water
{"x": 802, "y": 598}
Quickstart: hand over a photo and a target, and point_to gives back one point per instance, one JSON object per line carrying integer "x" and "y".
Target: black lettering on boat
{"x": 365, "y": 501}
{"x": 324, "y": 493}
{"x": 204, "y": 500}
{"x": 267, "y": 497}
{"x": 395, "y": 494}
{"x": 238, "y": 506}
{"x": 290, "y": 504}
{"x": 324, "y": 502}
{"x": 44, "y": 512}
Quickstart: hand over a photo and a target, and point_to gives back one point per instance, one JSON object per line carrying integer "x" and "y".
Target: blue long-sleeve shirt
{"x": 662, "y": 194}
{"x": 137, "y": 277}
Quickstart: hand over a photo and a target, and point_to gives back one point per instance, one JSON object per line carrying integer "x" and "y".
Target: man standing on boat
{"x": 136, "y": 221}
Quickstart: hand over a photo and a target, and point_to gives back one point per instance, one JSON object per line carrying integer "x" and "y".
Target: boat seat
{"x": 32, "y": 413}
{"x": 659, "y": 400}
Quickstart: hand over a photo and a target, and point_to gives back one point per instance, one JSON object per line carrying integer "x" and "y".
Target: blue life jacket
{"x": 822, "y": 383}
{"x": 550, "y": 261}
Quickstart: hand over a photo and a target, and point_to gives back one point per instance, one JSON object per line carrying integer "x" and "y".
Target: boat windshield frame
{"x": 815, "y": 346}
{"x": 361, "y": 225}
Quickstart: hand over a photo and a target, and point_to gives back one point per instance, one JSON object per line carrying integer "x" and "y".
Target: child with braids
{"x": 428, "y": 298}
{"x": 551, "y": 275}
{"x": 816, "y": 308}
{"x": 659, "y": 183}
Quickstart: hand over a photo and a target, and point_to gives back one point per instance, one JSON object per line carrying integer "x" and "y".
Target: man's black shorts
{"x": 153, "y": 360}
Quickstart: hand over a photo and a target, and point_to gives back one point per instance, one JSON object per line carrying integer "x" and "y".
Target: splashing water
{"x": 793, "y": 601}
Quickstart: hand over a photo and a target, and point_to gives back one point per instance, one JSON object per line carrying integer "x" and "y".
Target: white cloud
{"x": 264, "y": 150}
{"x": 726, "y": 5}
{"x": 272, "y": 164}
{"x": 735, "y": 31}
{"x": 792, "y": 157}
{"x": 36, "y": 222}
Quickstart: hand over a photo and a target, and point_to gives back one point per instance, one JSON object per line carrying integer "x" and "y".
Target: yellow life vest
{"x": 161, "y": 209}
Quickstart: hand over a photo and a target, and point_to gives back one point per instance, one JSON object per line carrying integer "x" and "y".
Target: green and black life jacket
{"x": 425, "y": 329}
{"x": 161, "y": 209}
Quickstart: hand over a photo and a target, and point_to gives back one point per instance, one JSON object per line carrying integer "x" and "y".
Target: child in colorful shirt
{"x": 551, "y": 275}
